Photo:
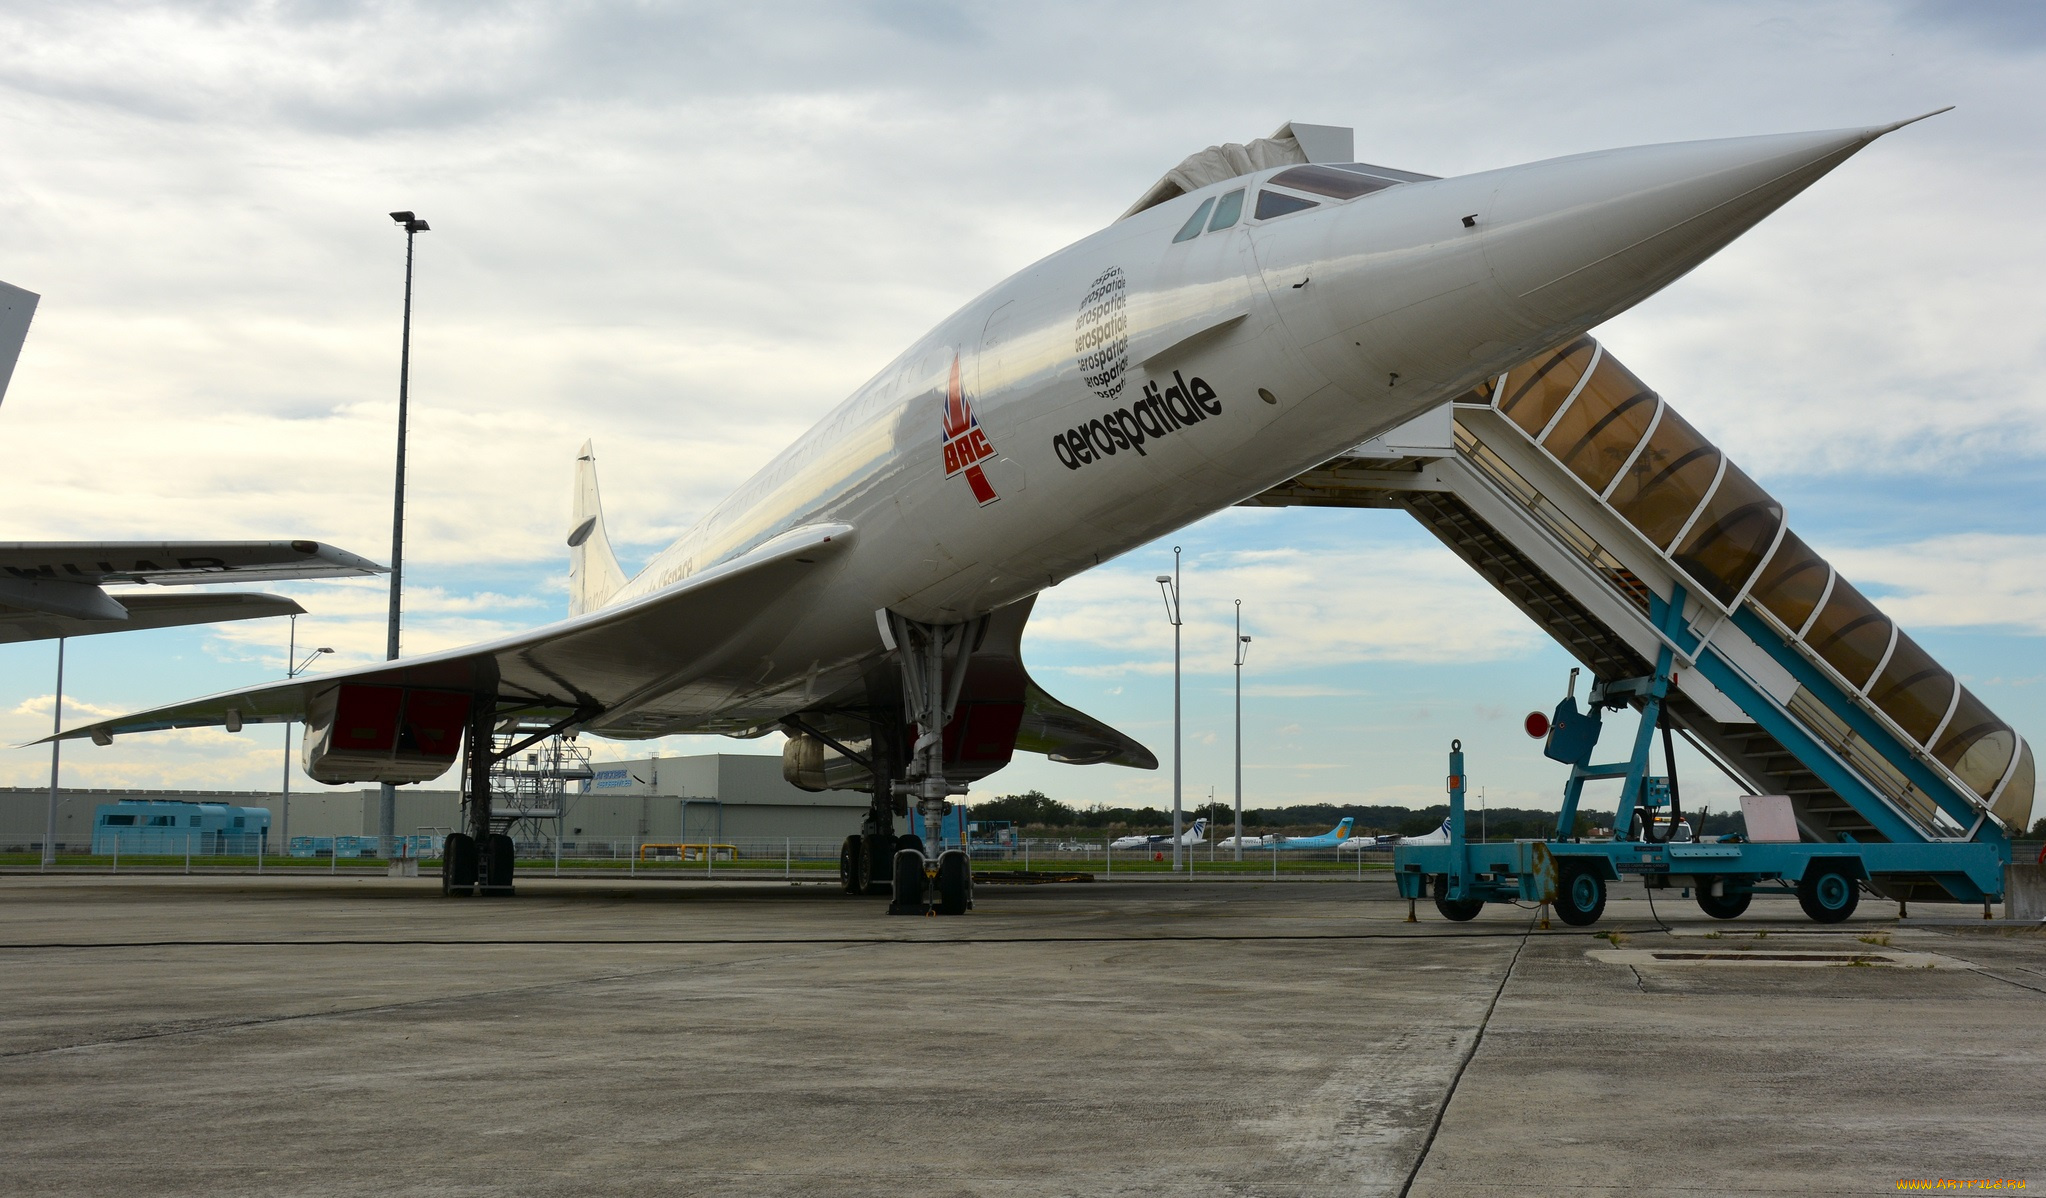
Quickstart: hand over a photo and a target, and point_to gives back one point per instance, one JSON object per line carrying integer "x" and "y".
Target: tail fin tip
{"x": 593, "y": 572}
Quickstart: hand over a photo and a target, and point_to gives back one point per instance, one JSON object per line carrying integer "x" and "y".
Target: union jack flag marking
{"x": 966, "y": 447}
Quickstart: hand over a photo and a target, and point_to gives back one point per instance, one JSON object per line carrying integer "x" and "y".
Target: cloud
{"x": 1305, "y": 607}
{"x": 1968, "y": 580}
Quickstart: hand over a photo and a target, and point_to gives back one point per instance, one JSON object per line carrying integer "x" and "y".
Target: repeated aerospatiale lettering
{"x": 1157, "y": 414}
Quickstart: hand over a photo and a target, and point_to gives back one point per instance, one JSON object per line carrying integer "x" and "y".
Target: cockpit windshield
{"x": 1228, "y": 211}
{"x": 1278, "y": 203}
{"x": 1328, "y": 181}
{"x": 1192, "y": 228}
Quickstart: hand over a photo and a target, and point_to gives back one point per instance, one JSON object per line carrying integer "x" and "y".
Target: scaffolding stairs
{"x": 1583, "y": 498}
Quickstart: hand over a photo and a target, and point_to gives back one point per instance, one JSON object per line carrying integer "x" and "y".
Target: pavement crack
{"x": 1974, "y": 968}
{"x": 1435, "y": 1127}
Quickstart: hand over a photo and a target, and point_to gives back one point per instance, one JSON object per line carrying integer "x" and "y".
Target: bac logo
{"x": 966, "y": 446}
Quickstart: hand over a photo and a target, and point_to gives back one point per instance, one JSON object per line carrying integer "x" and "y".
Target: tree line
{"x": 1040, "y": 814}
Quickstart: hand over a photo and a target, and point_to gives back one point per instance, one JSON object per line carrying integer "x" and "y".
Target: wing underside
{"x": 145, "y": 611}
{"x": 610, "y": 667}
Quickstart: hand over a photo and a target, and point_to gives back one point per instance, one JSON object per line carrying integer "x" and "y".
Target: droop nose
{"x": 1572, "y": 241}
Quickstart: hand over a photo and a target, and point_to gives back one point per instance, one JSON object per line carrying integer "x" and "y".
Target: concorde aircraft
{"x": 1258, "y": 310}
{"x": 58, "y": 588}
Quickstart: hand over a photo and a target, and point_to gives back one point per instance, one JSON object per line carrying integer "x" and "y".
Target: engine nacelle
{"x": 810, "y": 764}
{"x": 396, "y": 734}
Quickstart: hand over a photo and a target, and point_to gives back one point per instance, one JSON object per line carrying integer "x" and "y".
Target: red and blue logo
{"x": 966, "y": 447}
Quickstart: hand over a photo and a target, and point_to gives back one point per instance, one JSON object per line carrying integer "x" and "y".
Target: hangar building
{"x": 728, "y": 798}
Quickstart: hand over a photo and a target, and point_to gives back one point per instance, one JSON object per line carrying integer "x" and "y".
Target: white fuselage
{"x": 1300, "y": 336}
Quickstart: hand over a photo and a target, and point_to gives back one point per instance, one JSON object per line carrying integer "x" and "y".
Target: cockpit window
{"x": 1322, "y": 180}
{"x": 1228, "y": 212}
{"x": 1192, "y": 228}
{"x": 1278, "y": 203}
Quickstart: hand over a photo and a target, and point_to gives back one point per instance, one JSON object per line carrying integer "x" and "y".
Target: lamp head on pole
{"x": 411, "y": 223}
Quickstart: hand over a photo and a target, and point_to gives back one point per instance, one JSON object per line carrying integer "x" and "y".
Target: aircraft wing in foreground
{"x": 58, "y": 588}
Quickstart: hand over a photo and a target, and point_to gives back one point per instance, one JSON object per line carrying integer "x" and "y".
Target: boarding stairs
{"x": 1589, "y": 503}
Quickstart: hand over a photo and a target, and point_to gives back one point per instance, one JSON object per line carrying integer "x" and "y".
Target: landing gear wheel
{"x": 494, "y": 865}
{"x": 849, "y": 865}
{"x": 1722, "y": 906}
{"x": 458, "y": 865}
{"x": 1580, "y": 897}
{"x": 955, "y": 882}
{"x": 1455, "y": 910}
{"x": 909, "y": 840}
{"x": 909, "y": 883}
{"x": 1828, "y": 893}
{"x": 876, "y": 858}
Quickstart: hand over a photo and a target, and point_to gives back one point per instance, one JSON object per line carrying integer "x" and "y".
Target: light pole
{"x": 291, "y": 671}
{"x": 387, "y": 805}
{"x": 56, "y": 726}
{"x": 1242, "y": 647}
{"x": 1169, "y": 584}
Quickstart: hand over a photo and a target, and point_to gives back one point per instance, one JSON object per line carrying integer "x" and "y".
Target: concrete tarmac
{"x": 164, "y": 1035}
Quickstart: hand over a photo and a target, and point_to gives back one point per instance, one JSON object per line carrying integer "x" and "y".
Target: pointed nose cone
{"x": 1573, "y": 241}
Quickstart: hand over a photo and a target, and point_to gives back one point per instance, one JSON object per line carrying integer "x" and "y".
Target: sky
{"x": 687, "y": 231}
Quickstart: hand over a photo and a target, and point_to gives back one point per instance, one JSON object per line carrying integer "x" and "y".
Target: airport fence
{"x": 736, "y": 857}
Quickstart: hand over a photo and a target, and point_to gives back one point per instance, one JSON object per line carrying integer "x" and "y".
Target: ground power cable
{"x": 1456, "y": 1079}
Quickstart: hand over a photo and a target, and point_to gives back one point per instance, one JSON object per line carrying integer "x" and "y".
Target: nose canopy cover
{"x": 1604, "y": 231}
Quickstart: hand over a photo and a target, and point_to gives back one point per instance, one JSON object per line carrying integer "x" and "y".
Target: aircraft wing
{"x": 604, "y": 663}
{"x": 1073, "y": 737}
{"x": 177, "y": 563}
{"x": 145, "y": 611}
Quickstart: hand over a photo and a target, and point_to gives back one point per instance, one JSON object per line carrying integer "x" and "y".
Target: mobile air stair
{"x": 1583, "y": 497}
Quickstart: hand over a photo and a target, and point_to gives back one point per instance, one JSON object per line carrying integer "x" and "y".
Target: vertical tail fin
{"x": 17, "y": 308}
{"x": 593, "y": 573}
{"x": 1343, "y": 829}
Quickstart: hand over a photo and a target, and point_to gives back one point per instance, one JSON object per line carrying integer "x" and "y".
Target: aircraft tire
{"x": 1723, "y": 906}
{"x": 495, "y": 863}
{"x": 876, "y": 865}
{"x": 908, "y": 883}
{"x": 955, "y": 883}
{"x": 1828, "y": 892}
{"x": 458, "y": 865}
{"x": 1580, "y": 896}
{"x": 849, "y": 865}
{"x": 910, "y": 840}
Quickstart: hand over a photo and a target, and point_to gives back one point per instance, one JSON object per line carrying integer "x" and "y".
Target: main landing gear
{"x": 934, "y": 658}
{"x": 476, "y": 860}
{"x": 867, "y": 859}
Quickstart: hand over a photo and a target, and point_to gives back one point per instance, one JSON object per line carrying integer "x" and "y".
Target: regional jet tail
{"x": 1259, "y": 311}
{"x": 57, "y": 588}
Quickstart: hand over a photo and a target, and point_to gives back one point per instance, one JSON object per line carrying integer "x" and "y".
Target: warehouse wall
{"x": 712, "y": 796}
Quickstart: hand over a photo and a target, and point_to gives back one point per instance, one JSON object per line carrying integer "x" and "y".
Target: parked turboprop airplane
{"x": 57, "y": 588}
{"x": 1260, "y": 309}
{"x": 1355, "y": 843}
{"x": 1327, "y": 840}
{"x": 1194, "y": 835}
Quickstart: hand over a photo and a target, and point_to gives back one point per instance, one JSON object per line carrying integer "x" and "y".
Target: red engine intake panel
{"x": 361, "y": 733}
